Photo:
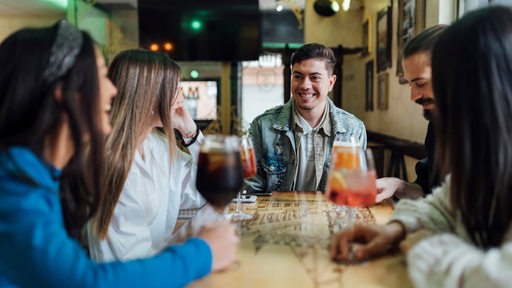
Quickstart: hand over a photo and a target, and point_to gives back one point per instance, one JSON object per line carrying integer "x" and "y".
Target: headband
{"x": 65, "y": 48}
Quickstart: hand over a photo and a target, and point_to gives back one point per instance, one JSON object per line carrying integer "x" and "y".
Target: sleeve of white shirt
{"x": 445, "y": 260}
{"x": 449, "y": 258}
{"x": 433, "y": 212}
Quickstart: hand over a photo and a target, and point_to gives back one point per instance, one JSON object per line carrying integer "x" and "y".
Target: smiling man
{"x": 293, "y": 141}
{"x": 416, "y": 62}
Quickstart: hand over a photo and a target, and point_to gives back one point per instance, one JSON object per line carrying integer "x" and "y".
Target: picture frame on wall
{"x": 384, "y": 39}
{"x": 366, "y": 37}
{"x": 464, "y": 6}
{"x": 369, "y": 86}
{"x": 411, "y": 21}
{"x": 382, "y": 91}
{"x": 460, "y": 8}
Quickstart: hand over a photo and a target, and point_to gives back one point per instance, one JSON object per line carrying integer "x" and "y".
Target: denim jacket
{"x": 275, "y": 150}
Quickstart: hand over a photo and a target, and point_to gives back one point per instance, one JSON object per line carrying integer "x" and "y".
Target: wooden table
{"x": 286, "y": 245}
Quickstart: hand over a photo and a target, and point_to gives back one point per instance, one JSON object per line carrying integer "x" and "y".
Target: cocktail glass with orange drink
{"x": 352, "y": 178}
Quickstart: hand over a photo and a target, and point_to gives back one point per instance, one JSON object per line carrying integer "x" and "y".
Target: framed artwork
{"x": 460, "y": 8}
{"x": 464, "y": 6}
{"x": 366, "y": 37}
{"x": 411, "y": 21}
{"x": 382, "y": 91}
{"x": 369, "y": 86}
{"x": 384, "y": 39}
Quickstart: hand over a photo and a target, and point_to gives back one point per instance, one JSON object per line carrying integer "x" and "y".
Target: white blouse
{"x": 148, "y": 207}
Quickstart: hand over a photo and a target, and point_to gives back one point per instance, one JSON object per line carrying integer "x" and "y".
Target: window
{"x": 201, "y": 98}
{"x": 262, "y": 87}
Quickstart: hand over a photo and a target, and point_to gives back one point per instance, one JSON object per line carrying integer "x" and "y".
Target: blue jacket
{"x": 275, "y": 150}
{"x": 35, "y": 250}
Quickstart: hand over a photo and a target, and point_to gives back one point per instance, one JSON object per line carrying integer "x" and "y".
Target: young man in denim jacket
{"x": 293, "y": 142}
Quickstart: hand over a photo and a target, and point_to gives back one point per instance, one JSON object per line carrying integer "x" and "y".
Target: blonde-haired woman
{"x": 148, "y": 180}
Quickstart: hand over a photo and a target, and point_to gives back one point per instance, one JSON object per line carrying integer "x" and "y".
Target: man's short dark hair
{"x": 318, "y": 51}
{"x": 423, "y": 42}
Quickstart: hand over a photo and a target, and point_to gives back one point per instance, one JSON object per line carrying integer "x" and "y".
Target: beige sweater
{"x": 449, "y": 258}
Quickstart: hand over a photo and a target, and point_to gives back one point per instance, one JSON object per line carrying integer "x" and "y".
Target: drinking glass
{"x": 352, "y": 179}
{"x": 219, "y": 170}
{"x": 249, "y": 169}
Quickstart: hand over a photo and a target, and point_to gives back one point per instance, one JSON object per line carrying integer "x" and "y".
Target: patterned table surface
{"x": 286, "y": 243}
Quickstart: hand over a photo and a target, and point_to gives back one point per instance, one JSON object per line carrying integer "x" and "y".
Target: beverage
{"x": 352, "y": 188}
{"x": 345, "y": 155}
{"x": 219, "y": 176}
{"x": 248, "y": 162}
{"x": 351, "y": 182}
{"x": 352, "y": 178}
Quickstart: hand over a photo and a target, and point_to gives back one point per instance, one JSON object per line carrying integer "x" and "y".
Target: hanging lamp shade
{"x": 326, "y": 7}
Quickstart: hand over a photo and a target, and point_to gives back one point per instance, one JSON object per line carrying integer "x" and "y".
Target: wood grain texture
{"x": 286, "y": 245}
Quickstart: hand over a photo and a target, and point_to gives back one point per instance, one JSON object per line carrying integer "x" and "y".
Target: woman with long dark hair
{"x": 55, "y": 101}
{"x": 466, "y": 237}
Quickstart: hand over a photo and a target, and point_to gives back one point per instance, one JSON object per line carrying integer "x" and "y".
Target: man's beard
{"x": 427, "y": 114}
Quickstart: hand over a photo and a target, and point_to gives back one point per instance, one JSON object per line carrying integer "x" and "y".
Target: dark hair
{"x": 423, "y": 42}
{"x": 472, "y": 72}
{"x": 318, "y": 51}
{"x": 29, "y": 114}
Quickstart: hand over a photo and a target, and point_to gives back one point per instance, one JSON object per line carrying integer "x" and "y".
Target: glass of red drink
{"x": 219, "y": 170}
{"x": 352, "y": 178}
{"x": 249, "y": 170}
{"x": 247, "y": 156}
{"x": 351, "y": 182}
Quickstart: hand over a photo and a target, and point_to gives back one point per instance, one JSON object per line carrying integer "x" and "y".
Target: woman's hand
{"x": 223, "y": 242}
{"x": 373, "y": 239}
{"x": 182, "y": 120}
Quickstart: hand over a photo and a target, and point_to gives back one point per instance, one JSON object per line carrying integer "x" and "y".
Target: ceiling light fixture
{"x": 60, "y": 3}
{"x": 326, "y": 7}
{"x": 345, "y": 5}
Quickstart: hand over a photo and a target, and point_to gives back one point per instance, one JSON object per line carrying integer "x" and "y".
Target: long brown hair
{"x": 147, "y": 83}
{"x": 472, "y": 72}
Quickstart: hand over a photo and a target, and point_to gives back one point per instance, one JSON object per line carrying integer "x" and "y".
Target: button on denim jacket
{"x": 275, "y": 150}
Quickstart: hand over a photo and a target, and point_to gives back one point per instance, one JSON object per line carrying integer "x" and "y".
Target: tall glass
{"x": 248, "y": 157}
{"x": 219, "y": 170}
{"x": 352, "y": 179}
{"x": 249, "y": 168}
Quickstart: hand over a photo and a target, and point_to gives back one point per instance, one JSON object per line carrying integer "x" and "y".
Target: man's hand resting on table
{"x": 389, "y": 186}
